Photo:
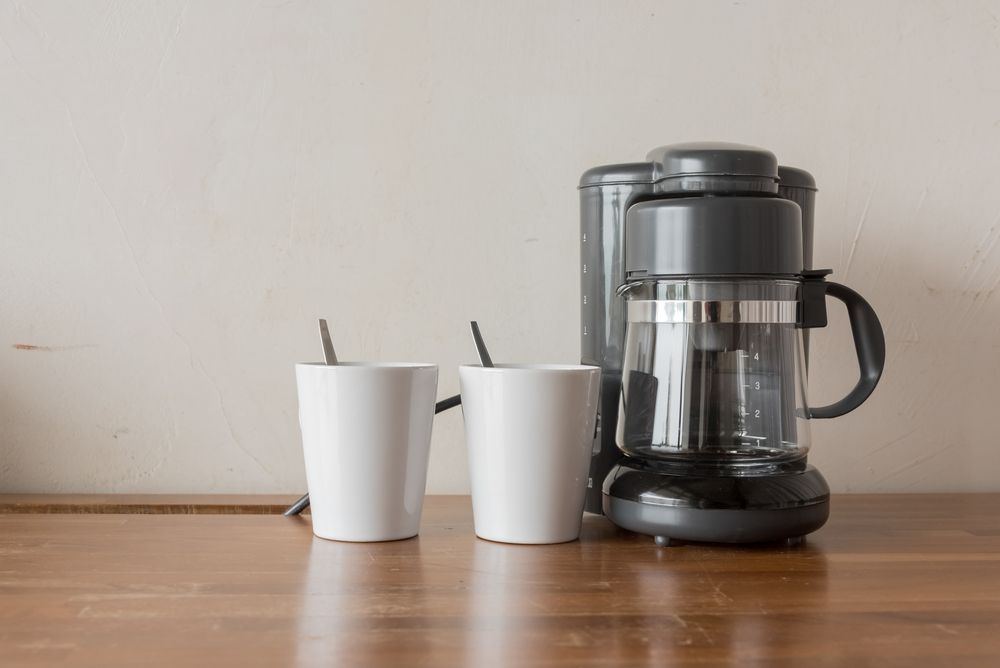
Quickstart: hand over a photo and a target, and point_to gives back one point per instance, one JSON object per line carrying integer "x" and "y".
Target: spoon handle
{"x": 484, "y": 354}
{"x": 328, "y": 353}
{"x": 298, "y": 506}
{"x": 439, "y": 407}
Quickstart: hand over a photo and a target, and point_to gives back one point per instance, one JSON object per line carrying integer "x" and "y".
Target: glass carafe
{"x": 714, "y": 374}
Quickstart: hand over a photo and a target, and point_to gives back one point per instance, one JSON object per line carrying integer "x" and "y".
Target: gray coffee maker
{"x": 697, "y": 296}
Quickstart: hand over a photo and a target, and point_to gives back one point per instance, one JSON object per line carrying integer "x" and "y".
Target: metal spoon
{"x": 330, "y": 357}
{"x": 484, "y": 354}
{"x": 328, "y": 353}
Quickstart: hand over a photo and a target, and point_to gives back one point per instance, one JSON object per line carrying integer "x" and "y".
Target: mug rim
{"x": 364, "y": 364}
{"x": 532, "y": 366}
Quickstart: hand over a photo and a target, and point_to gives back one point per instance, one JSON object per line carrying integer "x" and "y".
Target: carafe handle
{"x": 869, "y": 342}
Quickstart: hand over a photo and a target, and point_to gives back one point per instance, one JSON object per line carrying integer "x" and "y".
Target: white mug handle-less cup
{"x": 530, "y": 433}
{"x": 366, "y": 435}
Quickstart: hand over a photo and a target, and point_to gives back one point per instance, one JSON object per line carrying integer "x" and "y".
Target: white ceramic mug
{"x": 530, "y": 434}
{"x": 366, "y": 435}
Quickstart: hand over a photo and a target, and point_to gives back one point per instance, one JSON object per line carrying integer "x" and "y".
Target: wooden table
{"x": 891, "y": 580}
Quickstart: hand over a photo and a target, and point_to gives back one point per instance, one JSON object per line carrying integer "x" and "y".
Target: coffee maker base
{"x": 716, "y": 509}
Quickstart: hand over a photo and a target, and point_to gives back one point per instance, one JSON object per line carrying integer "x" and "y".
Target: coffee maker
{"x": 697, "y": 296}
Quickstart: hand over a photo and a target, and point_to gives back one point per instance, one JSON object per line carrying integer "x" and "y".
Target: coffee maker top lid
{"x": 714, "y": 167}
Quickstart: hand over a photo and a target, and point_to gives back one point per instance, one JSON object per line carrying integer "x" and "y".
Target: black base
{"x": 716, "y": 509}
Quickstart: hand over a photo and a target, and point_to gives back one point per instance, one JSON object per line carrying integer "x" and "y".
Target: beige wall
{"x": 184, "y": 188}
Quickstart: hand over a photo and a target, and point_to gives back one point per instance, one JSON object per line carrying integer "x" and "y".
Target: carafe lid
{"x": 714, "y": 167}
{"x": 713, "y": 236}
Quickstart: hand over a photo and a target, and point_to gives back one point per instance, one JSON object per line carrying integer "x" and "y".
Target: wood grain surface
{"x": 147, "y": 504}
{"x": 891, "y": 580}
